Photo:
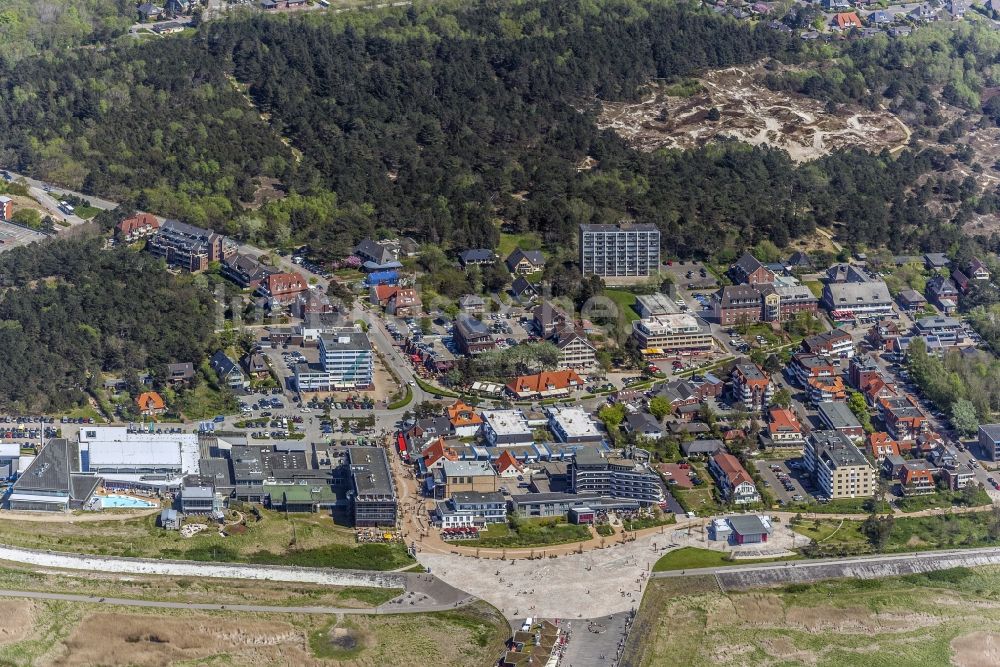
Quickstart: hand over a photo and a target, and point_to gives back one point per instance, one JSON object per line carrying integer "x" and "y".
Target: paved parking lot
{"x": 795, "y": 478}
{"x": 12, "y": 236}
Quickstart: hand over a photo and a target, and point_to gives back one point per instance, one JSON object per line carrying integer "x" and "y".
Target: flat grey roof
{"x": 352, "y": 340}
{"x": 370, "y": 472}
{"x": 837, "y": 415}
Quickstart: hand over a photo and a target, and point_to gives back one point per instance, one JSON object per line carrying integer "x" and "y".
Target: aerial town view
{"x": 530, "y": 333}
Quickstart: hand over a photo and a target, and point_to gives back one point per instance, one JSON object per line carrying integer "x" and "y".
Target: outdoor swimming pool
{"x": 114, "y": 501}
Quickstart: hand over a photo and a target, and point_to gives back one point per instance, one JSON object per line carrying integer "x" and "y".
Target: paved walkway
{"x": 200, "y": 606}
{"x": 423, "y": 592}
{"x": 595, "y": 583}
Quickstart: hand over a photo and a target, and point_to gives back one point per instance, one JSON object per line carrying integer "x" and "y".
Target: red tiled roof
{"x": 150, "y": 400}
{"x": 505, "y": 461}
{"x": 138, "y": 221}
{"x": 436, "y": 451}
{"x": 783, "y": 419}
{"x": 385, "y": 292}
{"x": 285, "y": 283}
{"x": 848, "y": 20}
{"x": 732, "y": 469}
{"x": 547, "y": 381}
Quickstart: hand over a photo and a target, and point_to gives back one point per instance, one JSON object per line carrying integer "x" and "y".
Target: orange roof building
{"x": 507, "y": 465}
{"x": 381, "y": 294}
{"x": 150, "y": 403}
{"x": 465, "y": 421}
{"x": 848, "y": 20}
{"x": 879, "y": 445}
{"x": 734, "y": 482}
{"x": 436, "y": 453}
{"x": 827, "y": 389}
{"x": 137, "y": 226}
{"x": 916, "y": 478}
{"x": 541, "y": 385}
{"x": 784, "y": 427}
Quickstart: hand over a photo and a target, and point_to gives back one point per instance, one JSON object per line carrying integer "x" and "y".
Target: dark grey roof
{"x": 376, "y": 252}
{"x": 82, "y": 486}
{"x": 837, "y": 415}
{"x": 470, "y": 327}
{"x": 50, "y": 471}
{"x": 476, "y": 255}
{"x": 222, "y": 364}
{"x": 937, "y": 259}
{"x": 534, "y": 256}
{"x": 353, "y": 340}
{"x": 643, "y": 422}
{"x": 748, "y": 524}
{"x": 522, "y": 286}
{"x": 799, "y": 258}
{"x": 941, "y": 286}
{"x": 702, "y": 447}
{"x": 370, "y": 472}
{"x": 738, "y": 295}
{"x": 465, "y": 497}
{"x": 677, "y": 390}
{"x": 747, "y": 264}
{"x": 837, "y": 448}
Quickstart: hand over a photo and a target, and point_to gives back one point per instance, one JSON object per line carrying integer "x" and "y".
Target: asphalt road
{"x": 49, "y": 199}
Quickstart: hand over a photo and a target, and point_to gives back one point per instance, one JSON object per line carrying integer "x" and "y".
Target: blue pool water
{"x": 124, "y": 501}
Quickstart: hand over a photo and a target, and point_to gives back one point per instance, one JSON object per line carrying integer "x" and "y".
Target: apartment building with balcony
{"x": 751, "y": 385}
{"x": 622, "y": 250}
{"x": 837, "y": 466}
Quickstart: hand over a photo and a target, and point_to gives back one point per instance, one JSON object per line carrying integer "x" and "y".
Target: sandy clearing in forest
{"x": 750, "y": 112}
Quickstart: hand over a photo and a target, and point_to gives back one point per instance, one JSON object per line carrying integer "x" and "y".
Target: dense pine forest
{"x": 76, "y": 310}
{"x": 448, "y": 121}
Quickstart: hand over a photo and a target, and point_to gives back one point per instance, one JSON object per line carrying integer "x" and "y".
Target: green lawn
{"x": 649, "y": 522}
{"x": 203, "y": 402}
{"x": 816, "y": 287}
{"x": 308, "y": 540}
{"x": 530, "y": 533}
{"x": 766, "y": 332}
{"x": 908, "y": 533}
{"x": 692, "y": 558}
{"x": 432, "y": 389}
{"x": 86, "y": 212}
{"x": 943, "y": 499}
{"x": 829, "y": 530}
{"x": 837, "y": 506}
{"x": 511, "y": 242}
{"x": 404, "y": 401}
{"x": 624, "y": 300}
{"x": 86, "y": 412}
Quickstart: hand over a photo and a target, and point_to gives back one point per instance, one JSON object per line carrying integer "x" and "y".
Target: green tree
{"x": 782, "y": 398}
{"x": 856, "y": 402}
{"x": 28, "y": 217}
{"x": 963, "y": 417}
{"x": 659, "y": 407}
{"x": 612, "y": 415}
